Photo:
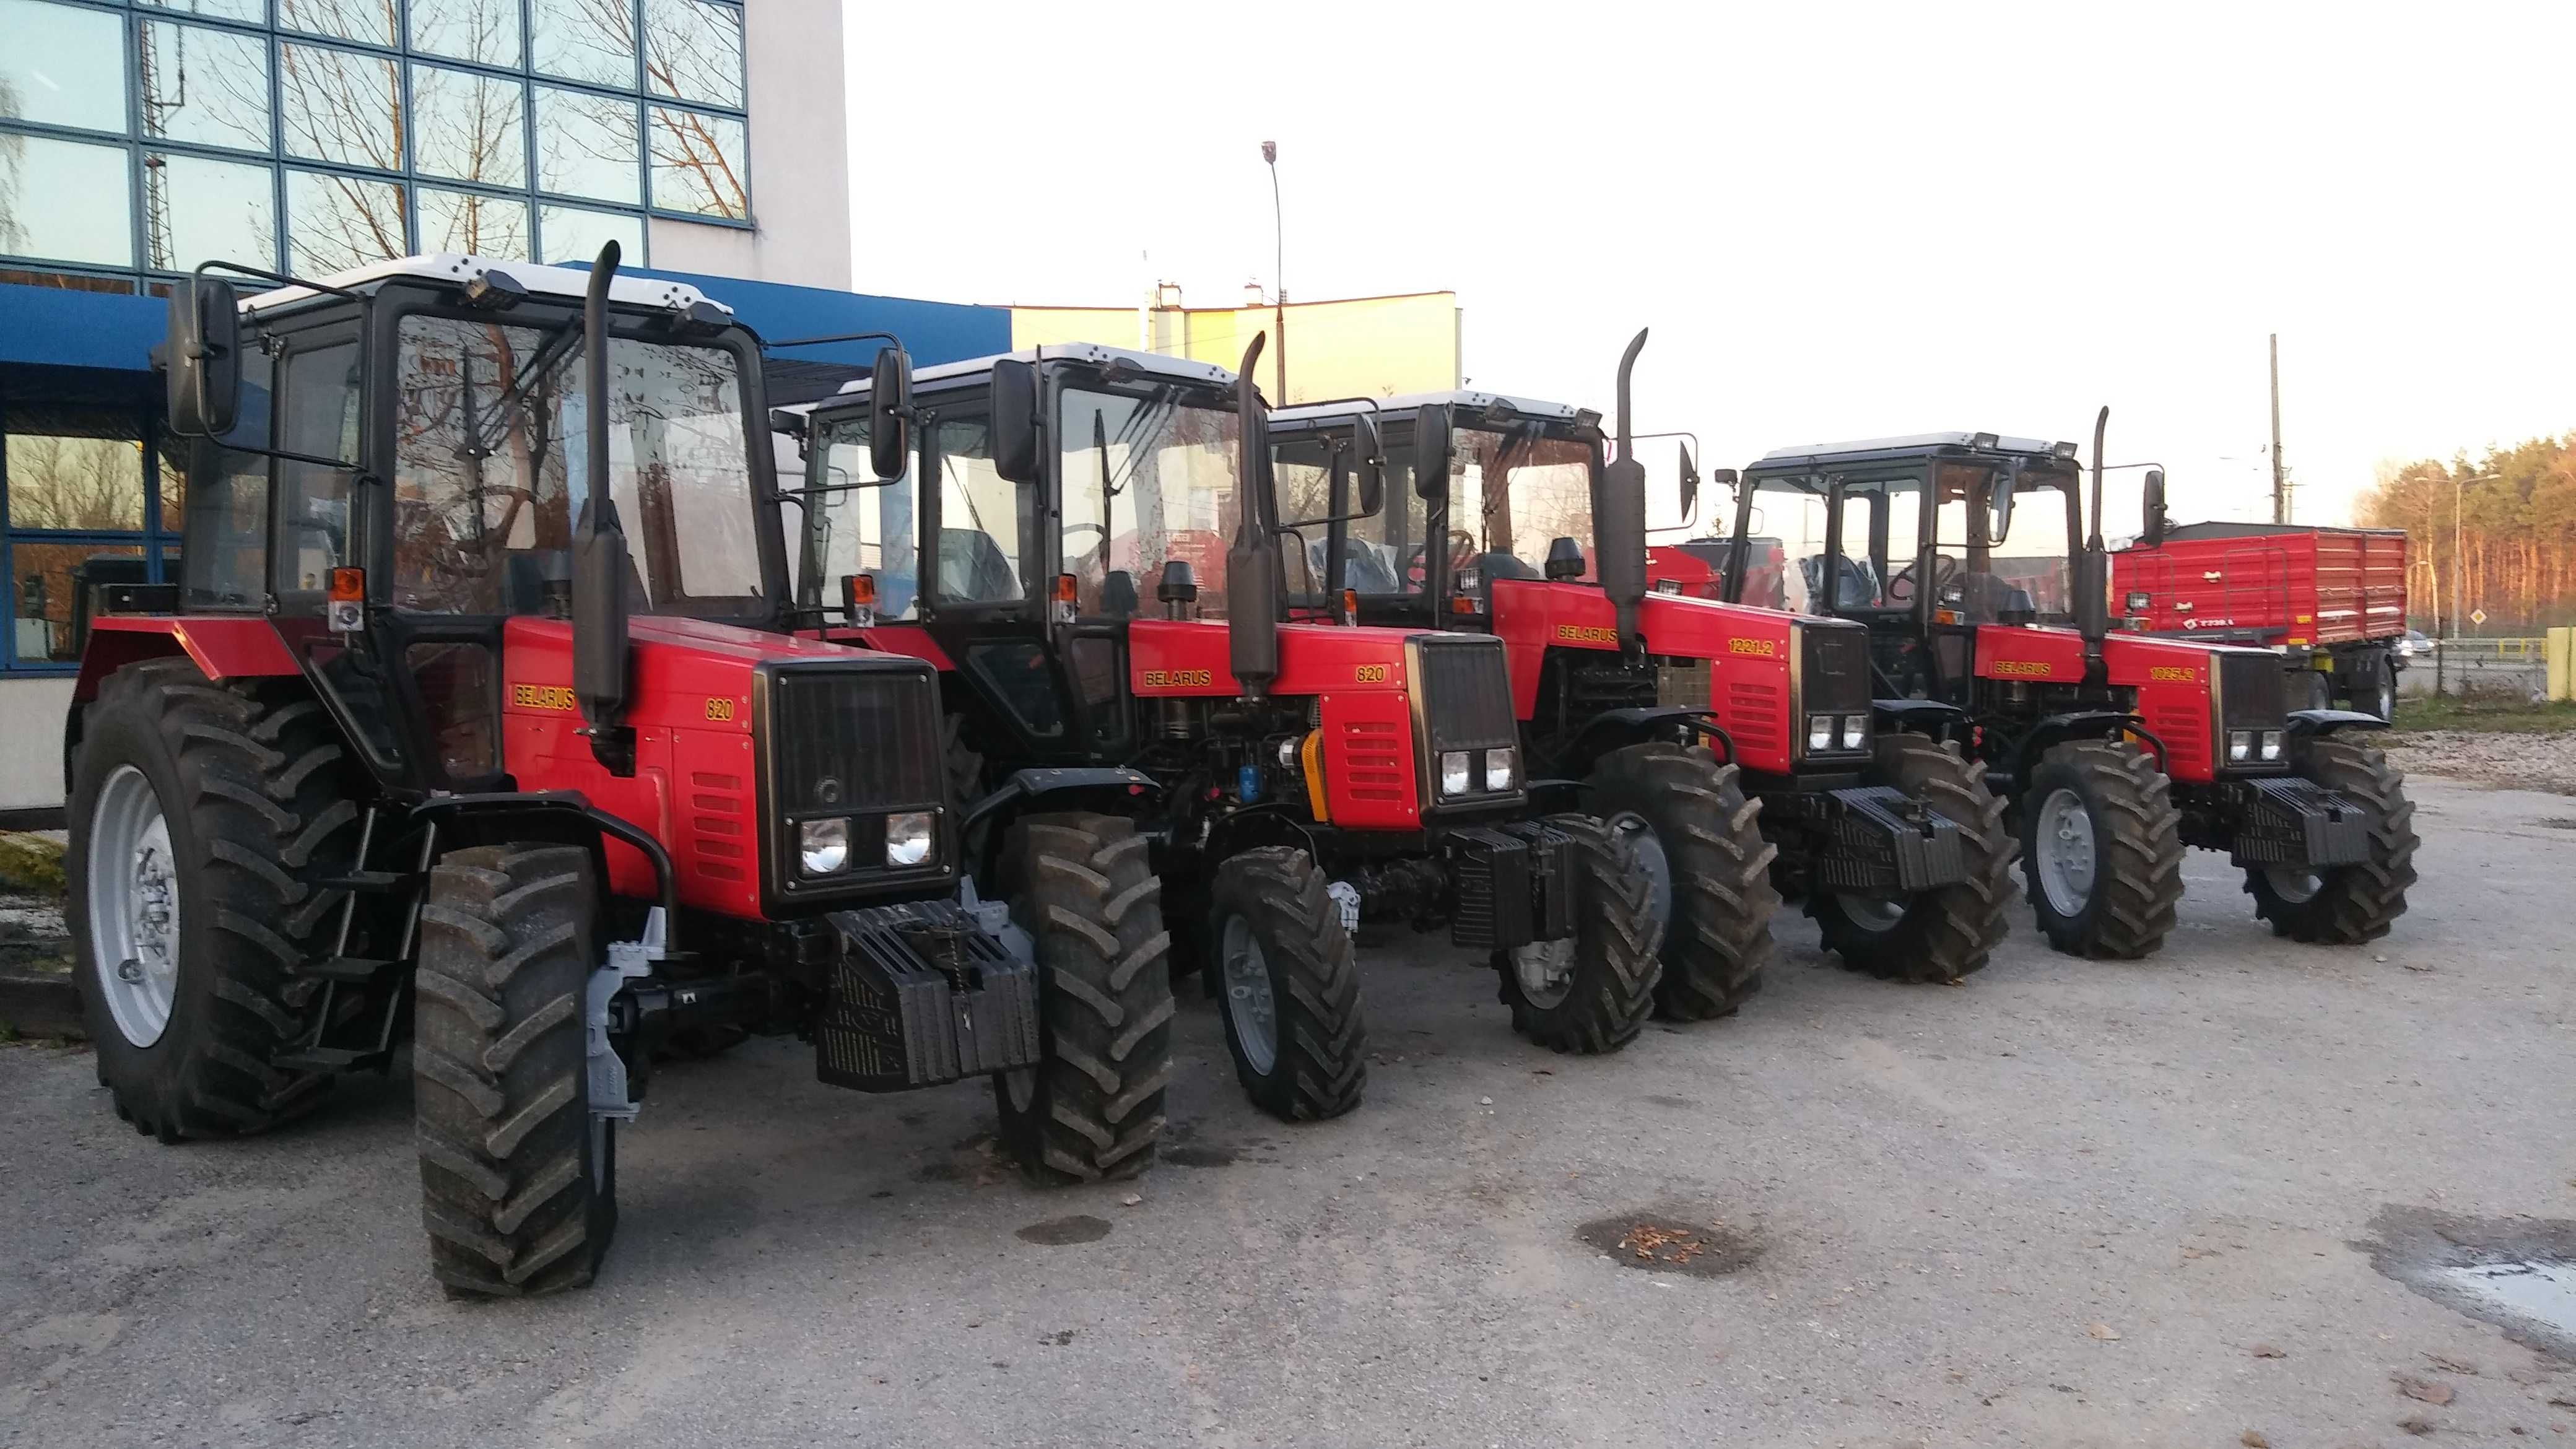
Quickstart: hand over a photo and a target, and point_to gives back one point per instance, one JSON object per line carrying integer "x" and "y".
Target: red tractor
{"x": 1310, "y": 776}
{"x": 2115, "y": 750}
{"x": 419, "y": 748}
{"x": 1707, "y": 733}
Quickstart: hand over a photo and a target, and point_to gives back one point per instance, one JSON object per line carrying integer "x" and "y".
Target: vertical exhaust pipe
{"x": 1252, "y": 573}
{"x": 599, "y": 560}
{"x": 2093, "y": 603}
{"x": 1619, "y": 514}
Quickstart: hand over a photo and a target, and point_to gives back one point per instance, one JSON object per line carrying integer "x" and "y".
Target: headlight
{"x": 2271, "y": 744}
{"x": 823, "y": 846}
{"x": 908, "y": 838}
{"x": 1855, "y": 731}
{"x": 1820, "y": 733}
{"x": 2240, "y": 745}
{"x": 1453, "y": 772}
{"x": 1498, "y": 769}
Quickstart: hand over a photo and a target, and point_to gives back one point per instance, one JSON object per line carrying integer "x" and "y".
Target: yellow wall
{"x": 1365, "y": 346}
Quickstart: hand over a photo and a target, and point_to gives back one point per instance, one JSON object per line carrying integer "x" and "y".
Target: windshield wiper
{"x": 552, "y": 353}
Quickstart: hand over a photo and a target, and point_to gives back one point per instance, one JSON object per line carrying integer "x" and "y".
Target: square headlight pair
{"x": 1829, "y": 732}
{"x": 2247, "y": 746}
{"x": 823, "y": 846}
{"x": 1501, "y": 768}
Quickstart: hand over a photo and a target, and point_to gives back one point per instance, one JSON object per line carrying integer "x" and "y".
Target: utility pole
{"x": 1278, "y": 283}
{"x": 2280, "y": 475}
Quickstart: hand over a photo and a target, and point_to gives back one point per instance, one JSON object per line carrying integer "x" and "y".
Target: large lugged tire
{"x": 203, "y": 819}
{"x": 2346, "y": 905}
{"x": 2102, "y": 850}
{"x": 1935, "y": 935}
{"x": 1708, "y": 871}
{"x": 518, "y": 1180}
{"x": 1287, "y": 983}
{"x": 1591, "y": 992}
{"x": 1093, "y": 1106}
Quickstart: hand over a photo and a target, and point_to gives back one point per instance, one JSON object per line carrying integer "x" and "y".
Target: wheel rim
{"x": 1544, "y": 971}
{"x": 1249, "y": 1004}
{"x": 2064, "y": 851}
{"x": 1631, "y": 831}
{"x": 133, "y": 885}
{"x": 1871, "y": 913}
{"x": 2387, "y": 699}
{"x": 2292, "y": 884}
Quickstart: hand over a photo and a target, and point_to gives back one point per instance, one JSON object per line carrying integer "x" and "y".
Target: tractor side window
{"x": 857, "y": 525}
{"x": 1511, "y": 494}
{"x": 1146, "y": 480}
{"x": 321, "y": 421}
{"x": 983, "y": 518}
{"x": 1385, "y": 555}
{"x": 224, "y": 562}
{"x": 1380, "y": 551}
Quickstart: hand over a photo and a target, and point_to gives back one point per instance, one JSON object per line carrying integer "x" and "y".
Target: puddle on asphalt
{"x": 2516, "y": 1273}
{"x": 1058, "y": 1232}
{"x": 1666, "y": 1240}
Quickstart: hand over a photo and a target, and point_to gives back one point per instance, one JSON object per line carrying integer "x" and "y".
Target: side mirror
{"x": 1015, "y": 420}
{"x": 890, "y": 414}
{"x": 1431, "y": 448}
{"x": 1368, "y": 464}
{"x": 1999, "y": 506}
{"x": 204, "y": 357}
{"x": 2153, "y": 536}
{"x": 1689, "y": 475}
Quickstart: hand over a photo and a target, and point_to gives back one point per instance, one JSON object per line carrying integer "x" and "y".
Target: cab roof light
{"x": 493, "y": 291}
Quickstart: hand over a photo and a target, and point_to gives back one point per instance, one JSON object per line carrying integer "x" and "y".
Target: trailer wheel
{"x": 2374, "y": 688}
{"x": 2345, "y": 905}
{"x": 204, "y": 818}
{"x": 518, "y": 1177}
{"x": 1936, "y": 935}
{"x": 1092, "y": 1107}
{"x": 1287, "y": 983}
{"x": 1592, "y": 991}
{"x": 1698, "y": 843}
{"x": 2102, "y": 850}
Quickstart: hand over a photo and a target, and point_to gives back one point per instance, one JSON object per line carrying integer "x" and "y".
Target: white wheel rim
{"x": 2064, "y": 847}
{"x": 2293, "y": 884}
{"x": 1632, "y": 831}
{"x": 1544, "y": 970}
{"x": 1871, "y": 913}
{"x": 1249, "y": 1003}
{"x": 133, "y": 882}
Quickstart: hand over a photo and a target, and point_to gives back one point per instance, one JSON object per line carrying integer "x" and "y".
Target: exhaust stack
{"x": 1252, "y": 577}
{"x": 2092, "y": 581}
{"x": 1619, "y": 515}
{"x": 599, "y": 561}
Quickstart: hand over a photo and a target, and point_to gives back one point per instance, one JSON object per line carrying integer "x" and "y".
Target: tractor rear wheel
{"x": 1590, "y": 992}
{"x": 2102, "y": 849}
{"x": 204, "y": 819}
{"x": 1698, "y": 843}
{"x": 518, "y": 1177}
{"x": 1092, "y": 1108}
{"x": 1935, "y": 935}
{"x": 2345, "y": 905}
{"x": 1287, "y": 983}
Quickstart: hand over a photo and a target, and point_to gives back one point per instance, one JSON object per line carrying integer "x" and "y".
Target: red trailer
{"x": 2332, "y": 601}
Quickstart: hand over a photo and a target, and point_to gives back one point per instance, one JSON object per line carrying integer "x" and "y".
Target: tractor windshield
{"x": 1513, "y": 492}
{"x": 1875, "y": 561}
{"x": 1147, "y": 477}
{"x": 490, "y": 444}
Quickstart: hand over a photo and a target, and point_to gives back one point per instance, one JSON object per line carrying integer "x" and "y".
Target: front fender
{"x": 2088, "y": 724}
{"x": 1616, "y": 729}
{"x": 2325, "y": 721}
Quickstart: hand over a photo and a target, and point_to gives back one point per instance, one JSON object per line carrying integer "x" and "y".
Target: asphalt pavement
{"x": 2208, "y": 1199}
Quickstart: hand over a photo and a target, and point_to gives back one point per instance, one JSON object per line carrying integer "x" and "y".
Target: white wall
{"x": 31, "y": 741}
{"x": 800, "y": 159}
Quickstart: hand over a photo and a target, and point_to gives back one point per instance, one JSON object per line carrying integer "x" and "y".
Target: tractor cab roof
{"x": 456, "y": 269}
{"x": 1094, "y": 354}
{"x": 1492, "y": 405}
{"x": 1869, "y": 451}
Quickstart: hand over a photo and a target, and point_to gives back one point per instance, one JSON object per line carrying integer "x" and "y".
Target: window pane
{"x": 694, "y": 51}
{"x": 486, "y": 31}
{"x": 468, "y": 127}
{"x": 586, "y": 145}
{"x": 46, "y": 577}
{"x": 208, "y": 211}
{"x": 313, "y": 500}
{"x": 204, "y": 86}
{"x": 371, "y": 21}
{"x": 334, "y": 223}
{"x": 586, "y": 40}
{"x": 65, "y": 200}
{"x": 62, "y": 66}
{"x": 73, "y": 467}
{"x": 698, "y": 164}
{"x": 226, "y": 562}
{"x": 251, "y": 10}
{"x": 340, "y": 106}
{"x": 486, "y": 226}
{"x": 574, "y": 235}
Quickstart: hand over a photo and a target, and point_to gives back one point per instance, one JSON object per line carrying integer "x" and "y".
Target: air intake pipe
{"x": 1619, "y": 515}
{"x": 599, "y": 566}
{"x": 1252, "y": 576}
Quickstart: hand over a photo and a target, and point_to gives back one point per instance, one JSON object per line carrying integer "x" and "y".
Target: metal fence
{"x": 2494, "y": 667}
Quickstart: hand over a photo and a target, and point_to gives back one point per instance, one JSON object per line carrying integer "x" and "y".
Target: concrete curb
{"x": 41, "y": 1005}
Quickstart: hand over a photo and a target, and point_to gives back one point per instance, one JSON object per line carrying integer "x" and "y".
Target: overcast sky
{"x": 1840, "y": 222}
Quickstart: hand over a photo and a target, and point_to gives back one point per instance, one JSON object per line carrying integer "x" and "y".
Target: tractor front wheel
{"x": 1287, "y": 983}
{"x": 2345, "y": 905}
{"x": 1590, "y": 992}
{"x": 1698, "y": 843}
{"x": 2101, "y": 849}
{"x": 1941, "y": 934}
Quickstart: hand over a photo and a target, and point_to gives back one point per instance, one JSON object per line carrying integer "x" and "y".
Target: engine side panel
{"x": 1368, "y": 753}
{"x": 2174, "y": 685}
{"x": 2034, "y": 655}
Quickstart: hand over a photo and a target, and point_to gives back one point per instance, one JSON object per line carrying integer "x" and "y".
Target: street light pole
{"x": 1278, "y": 285}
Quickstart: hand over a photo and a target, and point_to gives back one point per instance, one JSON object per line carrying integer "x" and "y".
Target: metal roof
{"x": 456, "y": 269}
{"x": 1478, "y": 401}
{"x": 1179, "y": 369}
{"x": 1910, "y": 444}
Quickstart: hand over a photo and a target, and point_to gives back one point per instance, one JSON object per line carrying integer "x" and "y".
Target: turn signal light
{"x": 1067, "y": 598}
{"x": 348, "y": 601}
{"x": 859, "y": 599}
{"x": 1350, "y": 606}
{"x": 1461, "y": 604}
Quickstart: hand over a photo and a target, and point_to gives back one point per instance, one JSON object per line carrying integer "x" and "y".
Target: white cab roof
{"x": 1477, "y": 401}
{"x": 1914, "y": 442}
{"x": 1153, "y": 364}
{"x": 457, "y": 269}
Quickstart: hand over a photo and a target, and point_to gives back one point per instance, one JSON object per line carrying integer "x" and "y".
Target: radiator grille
{"x": 844, "y": 741}
{"x": 1833, "y": 669}
{"x": 1466, "y": 692}
{"x": 2253, "y": 693}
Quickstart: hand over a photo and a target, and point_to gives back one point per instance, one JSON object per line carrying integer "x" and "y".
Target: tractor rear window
{"x": 490, "y": 435}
